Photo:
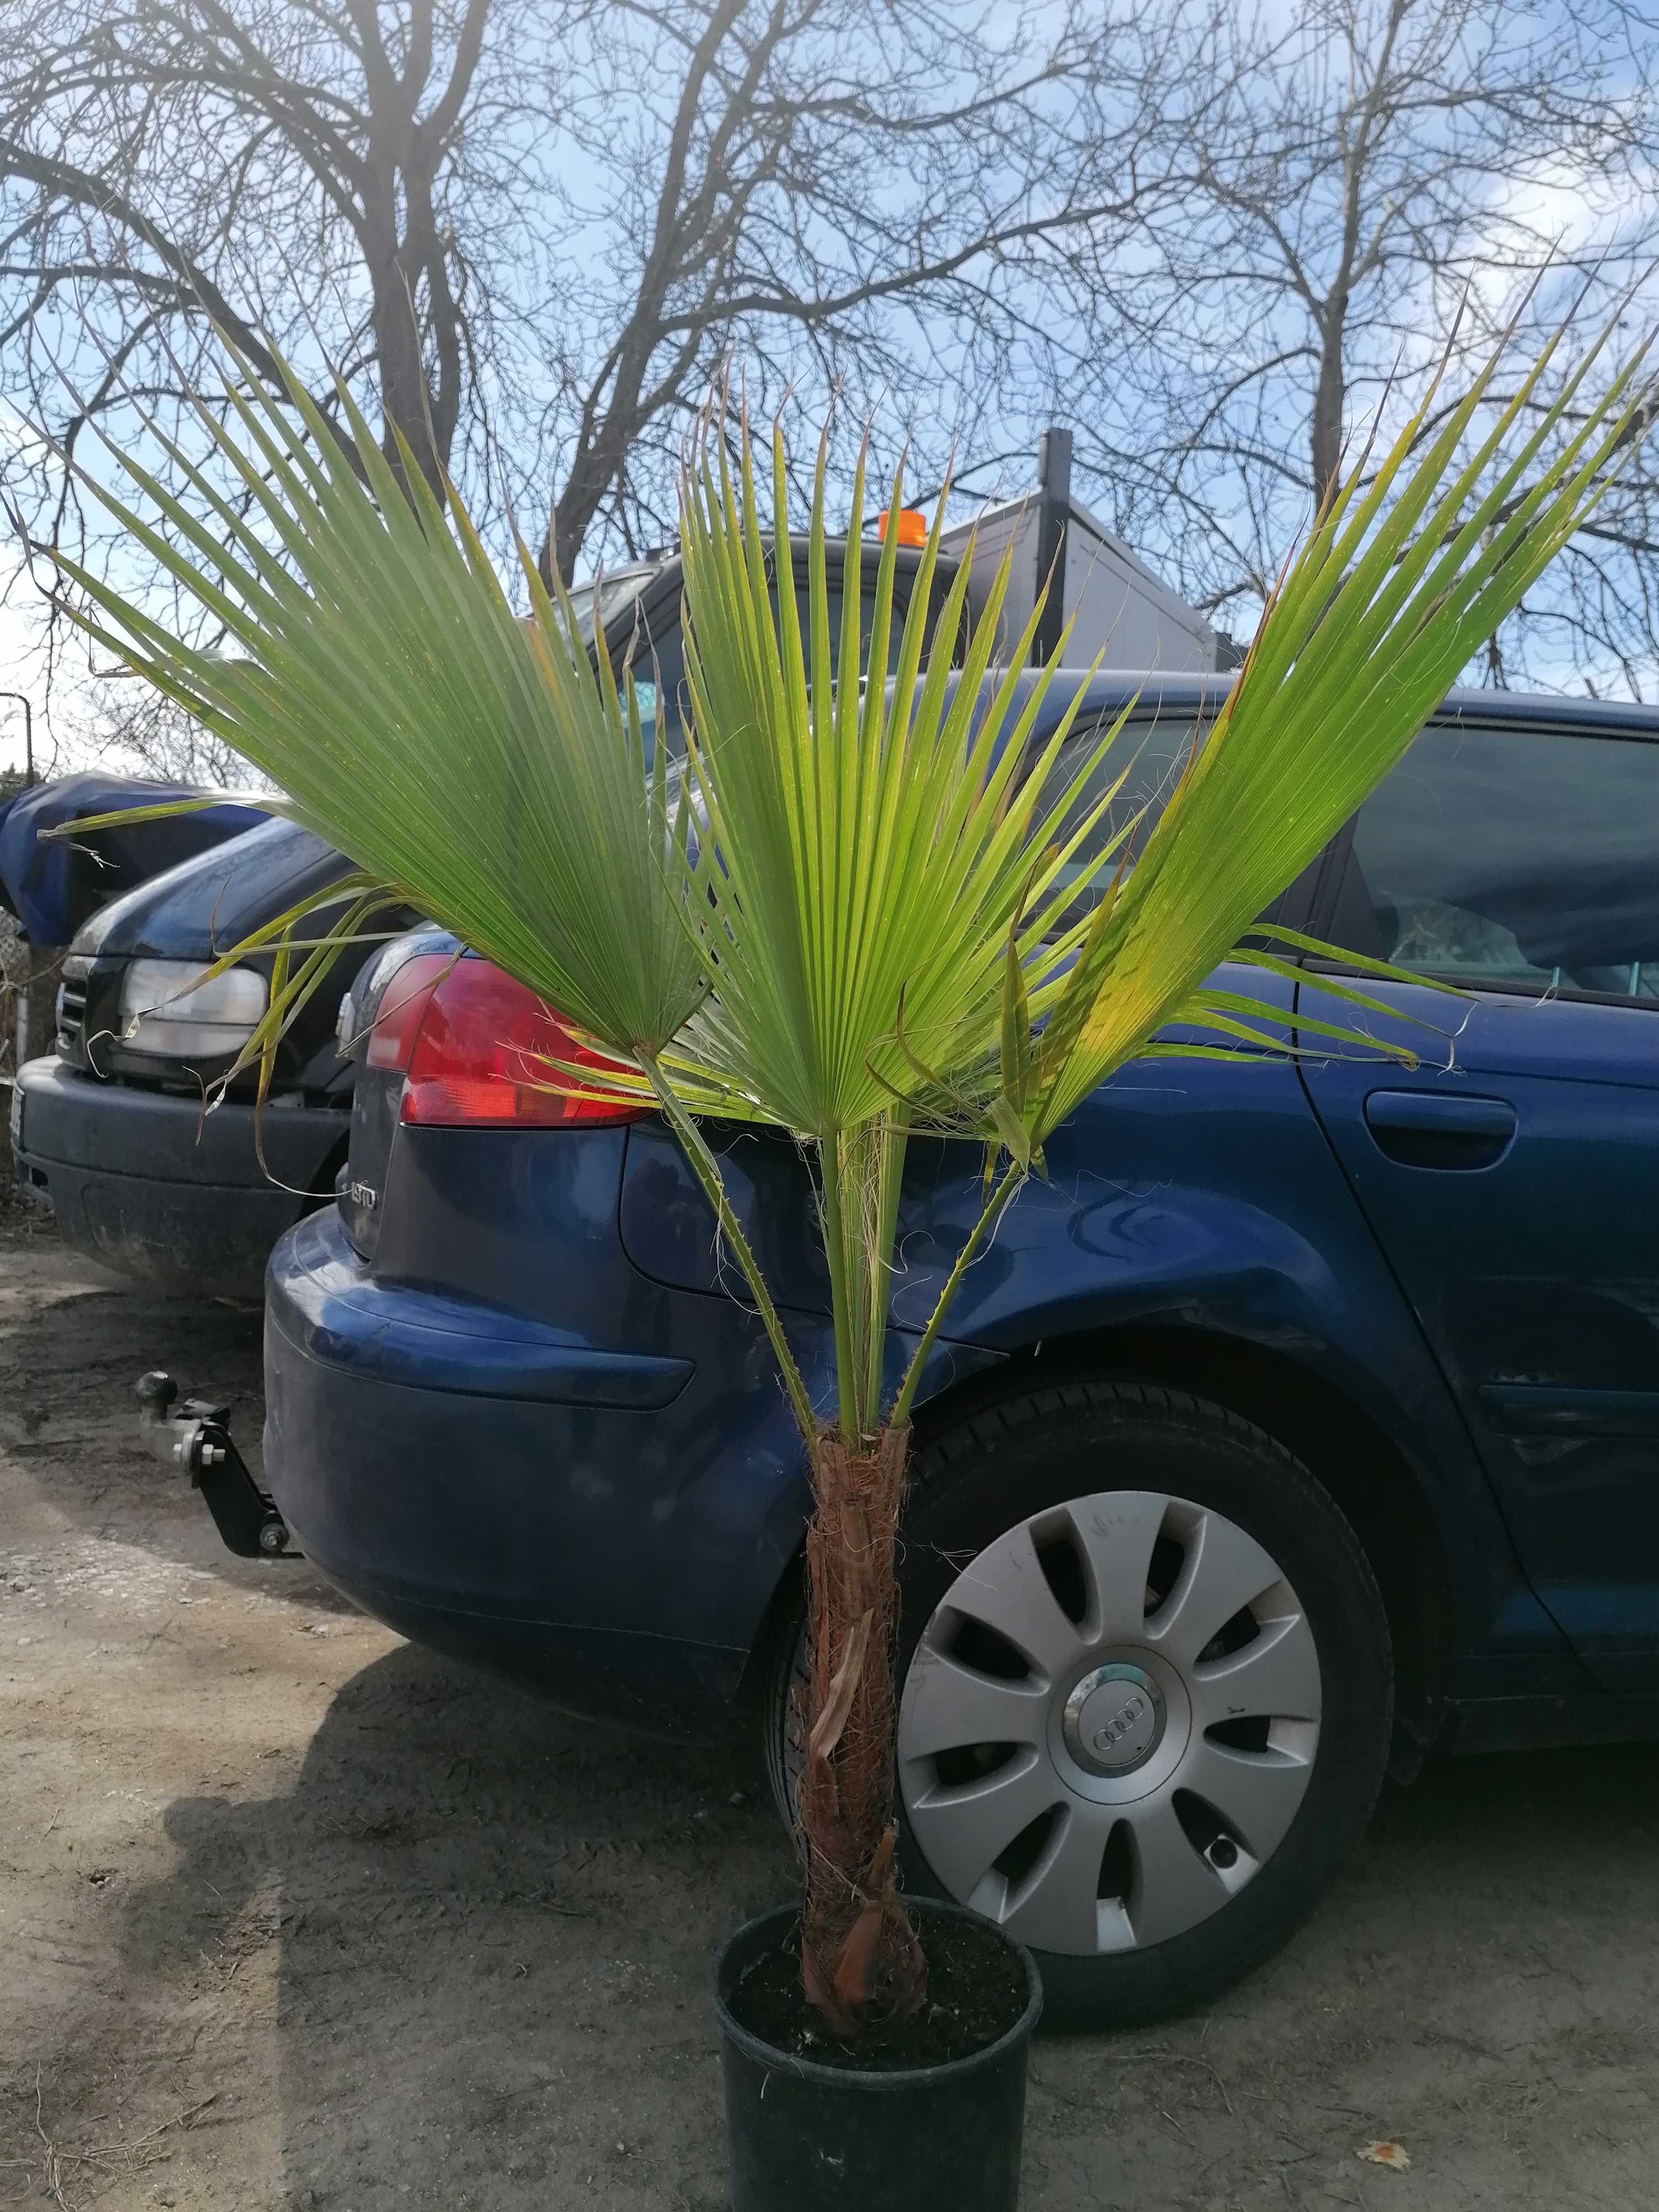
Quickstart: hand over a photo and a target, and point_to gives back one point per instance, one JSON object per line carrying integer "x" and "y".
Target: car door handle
{"x": 1449, "y": 1114}
{"x": 1439, "y": 1128}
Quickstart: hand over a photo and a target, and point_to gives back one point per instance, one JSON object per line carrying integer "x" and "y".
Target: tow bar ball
{"x": 194, "y": 1434}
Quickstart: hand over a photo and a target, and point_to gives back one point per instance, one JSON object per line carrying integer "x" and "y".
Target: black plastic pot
{"x": 806, "y": 2137}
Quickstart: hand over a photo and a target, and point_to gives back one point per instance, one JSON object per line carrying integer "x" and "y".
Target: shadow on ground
{"x": 494, "y": 1929}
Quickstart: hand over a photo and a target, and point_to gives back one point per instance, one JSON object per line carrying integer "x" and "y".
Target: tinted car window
{"x": 659, "y": 667}
{"x": 1149, "y": 753}
{"x": 1513, "y": 859}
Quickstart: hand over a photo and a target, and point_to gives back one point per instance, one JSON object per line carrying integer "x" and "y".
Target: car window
{"x": 620, "y": 586}
{"x": 1149, "y": 753}
{"x": 1513, "y": 859}
{"x": 658, "y": 660}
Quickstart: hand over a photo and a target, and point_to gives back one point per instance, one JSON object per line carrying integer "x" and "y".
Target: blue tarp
{"x": 53, "y": 884}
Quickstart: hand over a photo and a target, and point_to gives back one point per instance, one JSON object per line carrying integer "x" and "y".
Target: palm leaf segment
{"x": 870, "y": 843}
{"x": 1394, "y": 591}
{"x": 479, "y": 765}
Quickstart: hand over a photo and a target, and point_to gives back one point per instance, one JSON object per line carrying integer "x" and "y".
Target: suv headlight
{"x": 164, "y": 1010}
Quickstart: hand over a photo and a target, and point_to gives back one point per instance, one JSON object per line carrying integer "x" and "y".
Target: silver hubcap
{"x": 1110, "y": 1723}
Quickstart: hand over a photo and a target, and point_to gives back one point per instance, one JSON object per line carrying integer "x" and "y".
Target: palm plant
{"x": 853, "y": 916}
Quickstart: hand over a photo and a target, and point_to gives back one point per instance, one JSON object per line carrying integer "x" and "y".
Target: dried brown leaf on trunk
{"x": 826, "y": 1732}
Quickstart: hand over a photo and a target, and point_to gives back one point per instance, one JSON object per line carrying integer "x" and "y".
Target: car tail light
{"x": 403, "y": 1004}
{"x": 480, "y": 1052}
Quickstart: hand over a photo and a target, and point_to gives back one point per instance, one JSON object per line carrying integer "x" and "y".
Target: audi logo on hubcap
{"x": 1134, "y": 1709}
{"x": 1114, "y": 1719}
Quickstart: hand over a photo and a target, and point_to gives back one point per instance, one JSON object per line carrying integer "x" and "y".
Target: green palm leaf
{"x": 479, "y": 763}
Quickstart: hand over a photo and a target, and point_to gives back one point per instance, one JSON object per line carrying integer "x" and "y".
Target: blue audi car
{"x": 1303, "y": 1423}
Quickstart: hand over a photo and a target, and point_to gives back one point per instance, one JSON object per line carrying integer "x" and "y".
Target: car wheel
{"x": 1146, "y": 1690}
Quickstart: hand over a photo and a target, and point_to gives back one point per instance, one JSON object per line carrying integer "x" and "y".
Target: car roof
{"x": 668, "y": 560}
{"x": 1110, "y": 689}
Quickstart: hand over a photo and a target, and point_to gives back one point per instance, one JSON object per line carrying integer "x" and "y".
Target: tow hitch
{"x": 196, "y": 1436}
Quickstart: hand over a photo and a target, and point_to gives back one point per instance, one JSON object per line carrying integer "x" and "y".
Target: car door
{"x": 1512, "y": 1177}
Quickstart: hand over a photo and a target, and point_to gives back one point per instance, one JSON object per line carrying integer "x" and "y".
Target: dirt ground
{"x": 292, "y": 1914}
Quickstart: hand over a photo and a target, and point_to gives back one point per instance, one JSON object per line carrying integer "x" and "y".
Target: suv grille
{"x": 72, "y": 1013}
{"x": 72, "y": 1002}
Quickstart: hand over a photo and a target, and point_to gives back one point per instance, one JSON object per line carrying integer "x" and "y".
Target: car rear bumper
{"x": 606, "y": 1526}
{"x": 145, "y": 1182}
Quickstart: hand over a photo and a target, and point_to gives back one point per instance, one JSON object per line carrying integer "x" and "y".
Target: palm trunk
{"x": 861, "y": 1966}
{"x": 860, "y": 1962}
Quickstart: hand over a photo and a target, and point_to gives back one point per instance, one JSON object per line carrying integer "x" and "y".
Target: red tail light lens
{"x": 402, "y": 1005}
{"x": 481, "y": 1050}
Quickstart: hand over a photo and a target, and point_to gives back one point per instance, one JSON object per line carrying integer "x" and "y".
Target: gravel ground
{"x": 292, "y": 1914}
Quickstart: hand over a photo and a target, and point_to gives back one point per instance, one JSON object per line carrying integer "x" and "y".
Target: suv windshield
{"x": 656, "y": 650}
{"x": 605, "y": 596}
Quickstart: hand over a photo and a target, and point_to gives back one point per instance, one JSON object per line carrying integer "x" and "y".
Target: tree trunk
{"x": 860, "y": 1962}
{"x": 405, "y": 399}
{"x": 1330, "y": 395}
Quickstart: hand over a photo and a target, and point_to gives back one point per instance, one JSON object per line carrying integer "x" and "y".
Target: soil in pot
{"x": 977, "y": 1992}
{"x": 929, "y": 2122}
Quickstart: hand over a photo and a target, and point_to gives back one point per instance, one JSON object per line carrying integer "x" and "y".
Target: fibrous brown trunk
{"x": 860, "y": 1962}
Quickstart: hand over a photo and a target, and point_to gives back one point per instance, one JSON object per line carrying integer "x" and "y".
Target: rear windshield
{"x": 604, "y": 598}
{"x": 657, "y": 661}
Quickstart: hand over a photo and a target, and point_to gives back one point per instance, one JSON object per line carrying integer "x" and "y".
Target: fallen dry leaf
{"x": 1391, "y": 2154}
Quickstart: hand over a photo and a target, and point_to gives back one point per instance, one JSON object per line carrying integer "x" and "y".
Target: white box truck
{"x": 1116, "y": 605}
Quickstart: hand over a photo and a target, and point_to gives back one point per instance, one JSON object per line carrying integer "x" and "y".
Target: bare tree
{"x": 334, "y": 178}
{"x": 1366, "y": 183}
{"x": 273, "y": 168}
{"x": 530, "y": 233}
{"x": 903, "y": 200}
{"x": 131, "y": 727}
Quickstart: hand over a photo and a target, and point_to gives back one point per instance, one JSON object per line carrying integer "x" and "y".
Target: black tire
{"x": 973, "y": 1481}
